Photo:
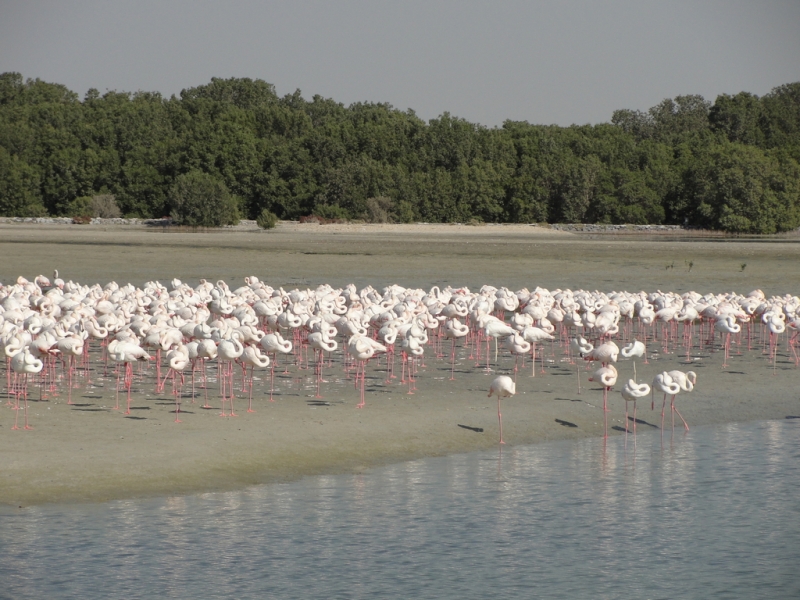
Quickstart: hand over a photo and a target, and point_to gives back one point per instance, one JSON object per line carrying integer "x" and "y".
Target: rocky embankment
{"x": 97, "y": 221}
{"x": 593, "y": 228}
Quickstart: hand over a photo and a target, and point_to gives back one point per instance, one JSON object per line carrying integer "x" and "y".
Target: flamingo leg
{"x": 685, "y": 424}
{"x": 128, "y": 382}
{"x": 500, "y": 419}
{"x": 25, "y": 396}
{"x": 272, "y": 377}
{"x": 452, "y": 359}
{"x": 250, "y": 398}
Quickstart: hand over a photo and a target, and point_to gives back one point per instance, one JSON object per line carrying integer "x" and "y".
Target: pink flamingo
{"x": 518, "y": 347}
{"x": 178, "y": 359}
{"x": 453, "y": 330}
{"x": 502, "y": 387}
{"x": 362, "y": 349}
{"x": 631, "y": 392}
{"x": 273, "y": 343}
{"x": 253, "y": 356}
{"x": 228, "y": 351}
{"x": 727, "y": 324}
{"x": 533, "y": 335}
{"x": 24, "y": 363}
{"x": 321, "y": 343}
{"x": 126, "y": 353}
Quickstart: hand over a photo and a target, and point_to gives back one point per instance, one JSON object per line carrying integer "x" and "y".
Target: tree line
{"x": 733, "y": 165}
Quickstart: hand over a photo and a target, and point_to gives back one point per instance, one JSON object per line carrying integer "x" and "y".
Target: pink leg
{"x": 25, "y": 395}
{"x": 453, "y": 360}
{"x": 500, "y": 420}
{"x": 272, "y": 378}
{"x": 128, "y": 382}
{"x": 250, "y": 399}
{"x": 119, "y": 373}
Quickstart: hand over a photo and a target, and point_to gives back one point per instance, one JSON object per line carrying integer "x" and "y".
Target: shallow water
{"x": 714, "y": 513}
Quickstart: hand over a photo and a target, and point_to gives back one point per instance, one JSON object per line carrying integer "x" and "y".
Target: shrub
{"x": 80, "y": 207}
{"x": 331, "y": 212}
{"x": 379, "y": 209}
{"x": 104, "y": 206}
{"x": 267, "y": 219}
{"x": 197, "y": 199}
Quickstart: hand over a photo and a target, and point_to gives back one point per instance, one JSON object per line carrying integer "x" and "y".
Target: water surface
{"x": 714, "y": 513}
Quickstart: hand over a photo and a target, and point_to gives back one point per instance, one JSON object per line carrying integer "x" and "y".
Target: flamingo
{"x": 362, "y": 349}
{"x": 252, "y": 356}
{"x": 582, "y": 348}
{"x": 533, "y": 335}
{"x": 321, "y": 343}
{"x": 495, "y": 328}
{"x": 663, "y": 382}
{"x": 274, "y": 343}
{"x": 727, "y": 324}
{"x": 776, "y": 324}
{"x": 502, "y": 387}
{"x": 607, "y": 377}
{"x": 631, "y": 392}
{"x": 605, "y": 353}
{"x": 454, "y": 329}
{"x": 70, "y": 347}
{"x": 178, "y": 359}
{"x": 635, "y": 348}
{"x": 24, "y": 363}
{"x": 206, "y": 350}
{"x": 126, "y": 353}
{"x": 228, "y": 351}
{"x": 518, "y": 347}
{"x": 686, "y": 381}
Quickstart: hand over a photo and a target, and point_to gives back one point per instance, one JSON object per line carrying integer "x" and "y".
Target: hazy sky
{"x": 539, "y": 61}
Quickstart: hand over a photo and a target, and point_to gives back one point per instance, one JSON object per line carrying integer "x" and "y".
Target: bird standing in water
{"x": 502, "y": 387}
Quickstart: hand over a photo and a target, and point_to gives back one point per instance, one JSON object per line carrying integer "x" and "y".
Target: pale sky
{"x": 537, "y": 60}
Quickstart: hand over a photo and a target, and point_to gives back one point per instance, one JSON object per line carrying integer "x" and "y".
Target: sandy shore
{"x": 90, "y": 452}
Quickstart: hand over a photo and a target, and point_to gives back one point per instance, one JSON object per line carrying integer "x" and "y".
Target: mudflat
{"x": 90, "y": 452}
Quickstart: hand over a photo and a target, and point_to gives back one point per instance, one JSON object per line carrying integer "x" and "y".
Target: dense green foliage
{"x": 729, "y": 165}
{"x": 197, "y": 199}
{"x": 267, "y": 219}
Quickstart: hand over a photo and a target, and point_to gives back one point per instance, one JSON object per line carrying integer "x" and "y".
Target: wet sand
{"x": 90, "y": 452}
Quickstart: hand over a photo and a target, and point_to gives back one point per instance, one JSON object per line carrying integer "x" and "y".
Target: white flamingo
{"x": 502, "y": 387}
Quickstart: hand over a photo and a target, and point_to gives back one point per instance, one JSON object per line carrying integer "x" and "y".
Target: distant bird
{"x": 178, "y": 359}
{"x": 686, "y": 382}
{"x": 518, "y": 347}
{"x": 581, "y": 348}
{"x": 454, "y": 329}
{"x": 321, "y": 343}
{"x": 24, "y": 363}
{"x": 502, "y": 387}
{"x": 663, "y": 382}
{"x": 607, "y": 377}
{"x": 255, "y": 358}
{"x": 533, "y": 335}
{"x": 495, "y": 328}
{"x": 273, "y": 343}
{"x": 125, "y": 353}
{"x": 631, "y": 392}
{"x": 363, "y": 348}
{"x": 229, "y": 350}
{"x": 605, "y": 353}
{"x": 727, "y": 324}
{"x": 632, "y": 350}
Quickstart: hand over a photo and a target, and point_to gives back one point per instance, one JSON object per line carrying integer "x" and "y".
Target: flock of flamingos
{"x": 56, "y": 333}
